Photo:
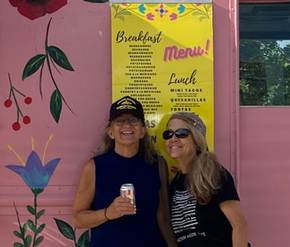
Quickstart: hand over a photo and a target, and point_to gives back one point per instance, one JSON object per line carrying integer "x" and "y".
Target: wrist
{"x": 105, "y": 214}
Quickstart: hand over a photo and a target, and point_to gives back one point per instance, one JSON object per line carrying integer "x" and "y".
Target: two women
{"x": 205, "y": 207}
{"x": 126, "y": 157}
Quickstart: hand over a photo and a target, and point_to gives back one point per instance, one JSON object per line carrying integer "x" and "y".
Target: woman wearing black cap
{"x": 205, "y": 207}
{"x": 127, "y": 156}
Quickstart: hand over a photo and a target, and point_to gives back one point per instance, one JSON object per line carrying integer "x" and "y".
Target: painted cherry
{"x": 8, "y": 103}
{"x": 26, "y": 120}
{"x": 28, "y": 100}
{"x": 16, "y": 126}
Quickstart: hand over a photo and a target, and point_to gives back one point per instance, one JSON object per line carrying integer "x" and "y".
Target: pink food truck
{"x": 56, "y": 91}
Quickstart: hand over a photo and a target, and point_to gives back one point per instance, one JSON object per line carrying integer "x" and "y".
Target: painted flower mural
{"x": 33, "y": 9}
{"x": 36, "y": 174}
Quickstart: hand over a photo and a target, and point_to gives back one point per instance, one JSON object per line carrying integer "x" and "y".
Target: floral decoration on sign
{"x": 12, "y": 98}
{"x": 53, "y": 56}
{"x": 154, "y": 11}
{"x": 33, "y": 9}
{"x": 36, "y": 174}
{"x": 68, "y": 232}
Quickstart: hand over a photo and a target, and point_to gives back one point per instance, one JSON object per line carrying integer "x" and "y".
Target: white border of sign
{"x": 158, "y": 1}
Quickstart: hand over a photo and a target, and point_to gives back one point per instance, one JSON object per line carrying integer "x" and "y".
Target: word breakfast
{"x": 147, "y": 37}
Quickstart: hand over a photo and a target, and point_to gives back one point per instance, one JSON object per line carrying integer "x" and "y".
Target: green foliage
{"x": 56, "y": 105}
{"x": 65, "y": 229}
{"x": 68, "y": 232}
{"x": 264, "y": 73}
{"x": 33, "y": 65}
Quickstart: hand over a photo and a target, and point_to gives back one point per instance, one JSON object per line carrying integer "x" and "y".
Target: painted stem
{"x": 35, "y": 219}
{"x": 14, "y": 97}
{"x": 49, "y": 66}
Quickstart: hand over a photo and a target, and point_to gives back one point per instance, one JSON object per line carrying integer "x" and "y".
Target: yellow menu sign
{"x": 162, "y": 55}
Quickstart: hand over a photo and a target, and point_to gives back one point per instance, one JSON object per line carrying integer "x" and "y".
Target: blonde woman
{"x": 205, "y": 207}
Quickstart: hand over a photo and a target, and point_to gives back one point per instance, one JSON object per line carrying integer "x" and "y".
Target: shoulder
{"x": 227, "y": 190}
{"x": 89, "y": 168}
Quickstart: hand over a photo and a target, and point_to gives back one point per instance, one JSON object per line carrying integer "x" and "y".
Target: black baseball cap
{"x": 126, "y": 104}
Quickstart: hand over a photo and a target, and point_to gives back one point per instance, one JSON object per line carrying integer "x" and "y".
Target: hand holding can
{"x": 128, "y": 191}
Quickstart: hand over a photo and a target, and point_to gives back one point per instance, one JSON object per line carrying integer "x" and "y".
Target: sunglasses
{"x": 120, "y": 121}
{"x": 179, "y": 133}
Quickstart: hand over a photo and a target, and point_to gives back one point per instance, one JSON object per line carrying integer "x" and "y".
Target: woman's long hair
{"x": 204, "y": 173}
{"x": 146, "y": 148}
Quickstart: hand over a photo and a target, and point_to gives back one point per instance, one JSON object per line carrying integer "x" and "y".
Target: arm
{"x": 233, "y": 211}
{"x": 83, "y": 216}
{"x": 164, "y": 223}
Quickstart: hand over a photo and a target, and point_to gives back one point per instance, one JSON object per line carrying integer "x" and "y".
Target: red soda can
{"x": 128, "y": 191}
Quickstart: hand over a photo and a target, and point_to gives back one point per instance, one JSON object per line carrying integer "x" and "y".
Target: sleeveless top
{"x": 140, "y": 229}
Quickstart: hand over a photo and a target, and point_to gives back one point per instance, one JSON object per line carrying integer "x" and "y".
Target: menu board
{"x": 162, "y": 55}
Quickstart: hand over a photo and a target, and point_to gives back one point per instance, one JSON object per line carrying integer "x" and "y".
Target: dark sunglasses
{"x": 179, "y": 133}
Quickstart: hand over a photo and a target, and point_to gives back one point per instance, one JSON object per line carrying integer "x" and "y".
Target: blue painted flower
{"x": 34, "y": 174}
{"x": 142, "y": 8}
{"x": 181, "y": 9}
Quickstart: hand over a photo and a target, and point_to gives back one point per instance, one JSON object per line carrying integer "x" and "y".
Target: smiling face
{"x": 180, "y": 149}
{"x": 126, "y": 135}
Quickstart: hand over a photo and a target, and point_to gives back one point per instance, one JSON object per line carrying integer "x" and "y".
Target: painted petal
{"x": 54, "y": 5}
{"x": 20, "y": 170}
{"x": 50, "y": 166}
{"x": 142, "y": 9}
{"x": 33, "y": 161}
{"x": 15, "y": 3}
{"x": 173, "y": 16}
{"x": 150, "y": 16}
{"x": 181, "y": 9}
{"x": 31, "y": 11}
{"x": 174, "y": 169}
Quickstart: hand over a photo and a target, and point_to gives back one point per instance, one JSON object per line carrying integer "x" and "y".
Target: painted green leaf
{"x": 40, "y": 213}
{"x": 121, "y": 17}
{"x": 114, "y": 6}
{"x": 126, "y": 12}
{"x": 32, "y": 226}
{"x": 33, "y": 65}
{"x": 38, "y": 240}
{"x": 40, "y": 229}
{"x": 28, "y": 240}
{"x": 202, "y": 18}
{"x": 31, "y": 210}
{"x": 196, "y": 12}
{"x": 24, "y": 228}
{"x": 65, "y": 229}
{"x": 59, "y": 58}
{"x": 56, "y": 105}
{"x": 84, "y": 239}
{"x": 17, "y": 234}
{"x": 16, "y": 244}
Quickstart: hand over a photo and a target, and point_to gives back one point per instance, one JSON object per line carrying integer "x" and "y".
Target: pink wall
{"x": 82, "y": 31}
{"x": 250, "y": 141}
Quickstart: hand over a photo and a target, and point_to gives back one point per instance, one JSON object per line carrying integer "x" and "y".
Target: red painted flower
{"x": 33, "y": 9}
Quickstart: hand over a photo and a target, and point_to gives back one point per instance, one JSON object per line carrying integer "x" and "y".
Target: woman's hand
{"x": 120, "y": 206}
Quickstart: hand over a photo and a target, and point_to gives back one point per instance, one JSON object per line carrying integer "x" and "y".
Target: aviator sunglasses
{"x": 179, "y": 133}
{"x": 120, "y": 121}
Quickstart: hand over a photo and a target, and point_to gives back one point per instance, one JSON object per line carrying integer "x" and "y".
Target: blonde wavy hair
{"x": 204, "y": 174}
{"x": 146, "y": 148}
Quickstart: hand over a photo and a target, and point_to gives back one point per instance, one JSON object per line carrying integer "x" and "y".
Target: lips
{"x": 127, "y": 133}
